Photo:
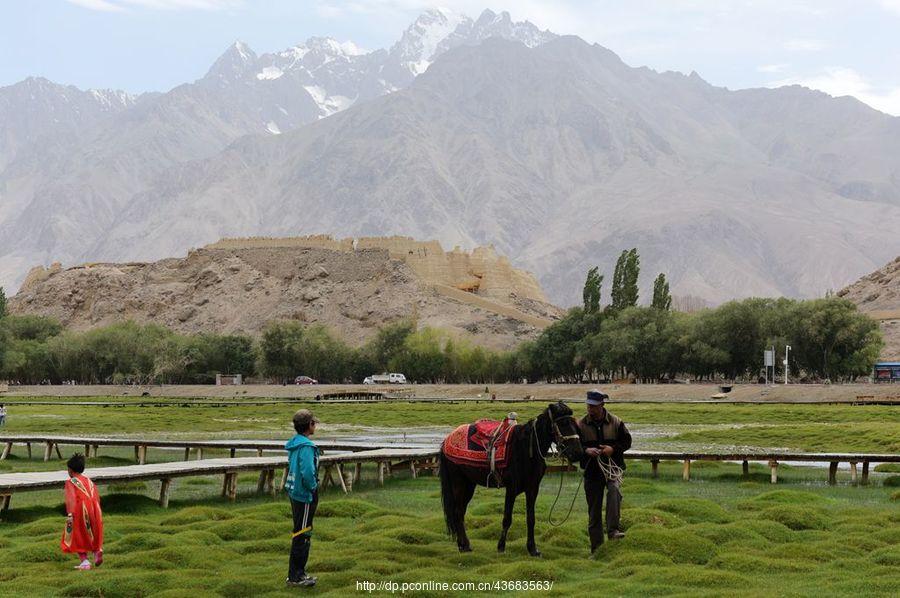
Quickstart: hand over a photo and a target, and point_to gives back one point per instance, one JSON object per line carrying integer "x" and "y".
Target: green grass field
{"x": 719, "y": 534}
{"x": 715, "y": 535}
{"x": 796, "y": 427}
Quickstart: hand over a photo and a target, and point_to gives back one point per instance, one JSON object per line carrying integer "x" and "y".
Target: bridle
{"x": 558, "y": 437}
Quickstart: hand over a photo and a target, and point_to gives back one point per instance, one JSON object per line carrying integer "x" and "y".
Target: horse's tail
{"x": 447, "y": 499}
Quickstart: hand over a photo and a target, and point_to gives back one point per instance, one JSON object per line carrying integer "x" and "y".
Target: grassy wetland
{"x": 718, "y": 534}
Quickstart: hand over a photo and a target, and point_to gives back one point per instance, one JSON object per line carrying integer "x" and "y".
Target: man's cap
{"x": 595, "y": 397}
{"x": 304, "y": 417}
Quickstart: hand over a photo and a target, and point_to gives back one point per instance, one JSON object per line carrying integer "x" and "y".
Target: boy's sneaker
{"x": 84, "y": 566}
{"x": 304, "y": 582}
{"x": 98, "y": 558}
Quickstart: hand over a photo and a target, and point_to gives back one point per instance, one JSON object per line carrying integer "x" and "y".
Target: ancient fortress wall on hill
{"x": 481, "y": 272}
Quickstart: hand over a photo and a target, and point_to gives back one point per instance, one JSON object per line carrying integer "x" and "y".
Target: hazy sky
{"x": 839, "y": 46}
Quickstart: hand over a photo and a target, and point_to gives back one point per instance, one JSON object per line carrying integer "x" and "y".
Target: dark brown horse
{"x": 527, "y": 450}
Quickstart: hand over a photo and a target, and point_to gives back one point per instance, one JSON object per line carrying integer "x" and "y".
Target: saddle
{"x": 482, "y": 444}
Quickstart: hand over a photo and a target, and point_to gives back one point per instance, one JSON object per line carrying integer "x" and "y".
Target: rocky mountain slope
{"x": 239, "y": 286}
{"x": 59, "y": 192}
{"x": 878, "y": 294}
{"x": 561, "y": 155}
{"x": 550, "y": 148}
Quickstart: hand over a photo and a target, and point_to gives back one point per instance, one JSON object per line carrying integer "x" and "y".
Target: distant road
{"x": 651, "y": 393}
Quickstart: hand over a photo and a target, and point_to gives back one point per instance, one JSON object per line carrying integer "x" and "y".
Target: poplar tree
{"x": 591, "y": 292}
{"x": 661, "y": 297}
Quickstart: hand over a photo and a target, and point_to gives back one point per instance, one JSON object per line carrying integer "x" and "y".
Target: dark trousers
{"x": 593, "y": 491}
{"x": 302, "y": 536}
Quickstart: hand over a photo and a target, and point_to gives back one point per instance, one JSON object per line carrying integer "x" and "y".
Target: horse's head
{"x": 565, "y": 431}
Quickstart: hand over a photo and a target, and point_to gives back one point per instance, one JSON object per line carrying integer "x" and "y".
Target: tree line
{"x": 830, "y": 340}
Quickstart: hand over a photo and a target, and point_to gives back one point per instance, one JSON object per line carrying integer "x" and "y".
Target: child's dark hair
{"x": 76, "y": 463}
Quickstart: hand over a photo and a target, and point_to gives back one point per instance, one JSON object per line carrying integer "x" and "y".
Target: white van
{"x": 393, "y": 378}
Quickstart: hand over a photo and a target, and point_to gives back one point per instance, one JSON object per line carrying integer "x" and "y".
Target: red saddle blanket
{"x": 471, "y": 444}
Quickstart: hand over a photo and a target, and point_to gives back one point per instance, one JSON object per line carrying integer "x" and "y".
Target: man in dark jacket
{"x": 605, "y": 440}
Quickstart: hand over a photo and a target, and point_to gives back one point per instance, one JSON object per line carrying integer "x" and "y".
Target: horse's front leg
{"x": 530, "y": 500}
{"x": 507, "y": 518}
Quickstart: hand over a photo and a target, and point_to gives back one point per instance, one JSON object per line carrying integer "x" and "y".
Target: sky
{"x": 841, "y": 47}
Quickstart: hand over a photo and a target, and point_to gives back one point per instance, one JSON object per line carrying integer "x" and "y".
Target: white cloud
{"x": 101, "y": 5}
{"x": 120, "y": 5}
{"x": 842, "y": 81}
{"x": 804, "y": 45}
{"x": 772, "y": 68}
{"x": 891, "y": 5}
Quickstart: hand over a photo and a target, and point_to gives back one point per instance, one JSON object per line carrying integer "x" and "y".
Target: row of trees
{"x": 829, "y": 337}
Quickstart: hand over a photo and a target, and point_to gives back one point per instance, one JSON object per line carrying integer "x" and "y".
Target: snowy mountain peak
{"x": 419, "y": 45}
{"x": 233, "y": 64}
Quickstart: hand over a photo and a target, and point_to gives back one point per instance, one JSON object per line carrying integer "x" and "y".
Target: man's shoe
{"x": 305, "y": 581}
{"x": 616, "y": 535}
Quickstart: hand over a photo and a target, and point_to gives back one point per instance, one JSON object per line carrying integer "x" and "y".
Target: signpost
{"x": 787, "y": 349}
{"x": 769, "y": 362}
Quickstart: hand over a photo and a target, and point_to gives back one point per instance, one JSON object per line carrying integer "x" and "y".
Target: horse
{"x": 527, "y": 450}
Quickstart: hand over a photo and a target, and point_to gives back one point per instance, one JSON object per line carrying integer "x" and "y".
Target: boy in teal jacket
{"x": 302, "y": 487}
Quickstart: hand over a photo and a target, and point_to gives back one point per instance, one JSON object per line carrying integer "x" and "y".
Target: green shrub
{"x": 796, "y": 518}
{"x": 654, "y": 517}
{"x": 345, "y": 508}
{"x": 694, "y": 510}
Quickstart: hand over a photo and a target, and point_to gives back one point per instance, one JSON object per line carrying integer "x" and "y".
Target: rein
{"x": 559, "y": 439}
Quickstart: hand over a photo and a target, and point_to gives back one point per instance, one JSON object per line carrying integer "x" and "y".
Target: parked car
{"x": 393, "y": 378}
{"x": 305, "y": 380}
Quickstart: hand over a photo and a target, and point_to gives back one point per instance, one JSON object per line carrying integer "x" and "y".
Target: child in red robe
{"x": 84, "y": 521}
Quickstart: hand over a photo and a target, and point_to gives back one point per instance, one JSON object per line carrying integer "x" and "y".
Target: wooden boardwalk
{"x": 92, "y": 444}
{"x": 387, "y": 461}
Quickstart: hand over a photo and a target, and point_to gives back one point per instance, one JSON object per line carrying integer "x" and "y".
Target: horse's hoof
{"x": 535, "y": 553}
{"x": 465, "y": 549}
{"x": 501, "y": 548}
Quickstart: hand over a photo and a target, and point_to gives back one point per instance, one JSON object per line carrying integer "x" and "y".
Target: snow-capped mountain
{"x": 336, "y": 74}
{"x": 71, "y": 159}
{"x": 36, "y": 107}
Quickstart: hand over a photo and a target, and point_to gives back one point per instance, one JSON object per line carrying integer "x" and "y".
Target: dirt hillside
{"x": 878, "y": 294}
{"x": 240, "y": 288}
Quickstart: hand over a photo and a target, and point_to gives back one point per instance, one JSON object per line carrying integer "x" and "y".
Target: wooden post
{"x": 199, "y": 453}
{"x": 137, "y": 453}
{"x": 96, "y": 450}
{"x": 865, "y": 473}
{"x": 261, "y": 482}
{"x": 654, "y": 465}
{"x": 232, "y": 488}
{"x": 284, "y": 476}
{"x": 745, "y": 468}
{"x": 187, "y": 453}
{"x": 164, "y": 486}
{"x": 340, "y": 472}
{"x": 832, "y": 473}
{"x": 58, "y": 454}
{"x": 6, "y": 451}
{"x": 28, "y": 445}
{"x": 412, "y": 468}
{"x": 774, "y": 465}
{"x": 686, "y": 470}
{"x": 48, "y": 449}
{"x": 4, "y": 502}
{"x": 87, "y": 451}
{"x": 357, "y": 474}
{"x": 270, "y": 482}
{"x": 259, "y": 452}
{"x": 142, "y": 454}
{"x": 853, "y": 473}
{"x": 232, "y": 453}
{"x": 381, "y": 472}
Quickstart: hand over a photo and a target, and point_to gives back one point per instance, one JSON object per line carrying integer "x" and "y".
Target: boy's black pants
{"x": 302, "y": 536}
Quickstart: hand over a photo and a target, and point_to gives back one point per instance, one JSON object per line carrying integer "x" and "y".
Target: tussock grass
{"x": 718, "y": 534}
